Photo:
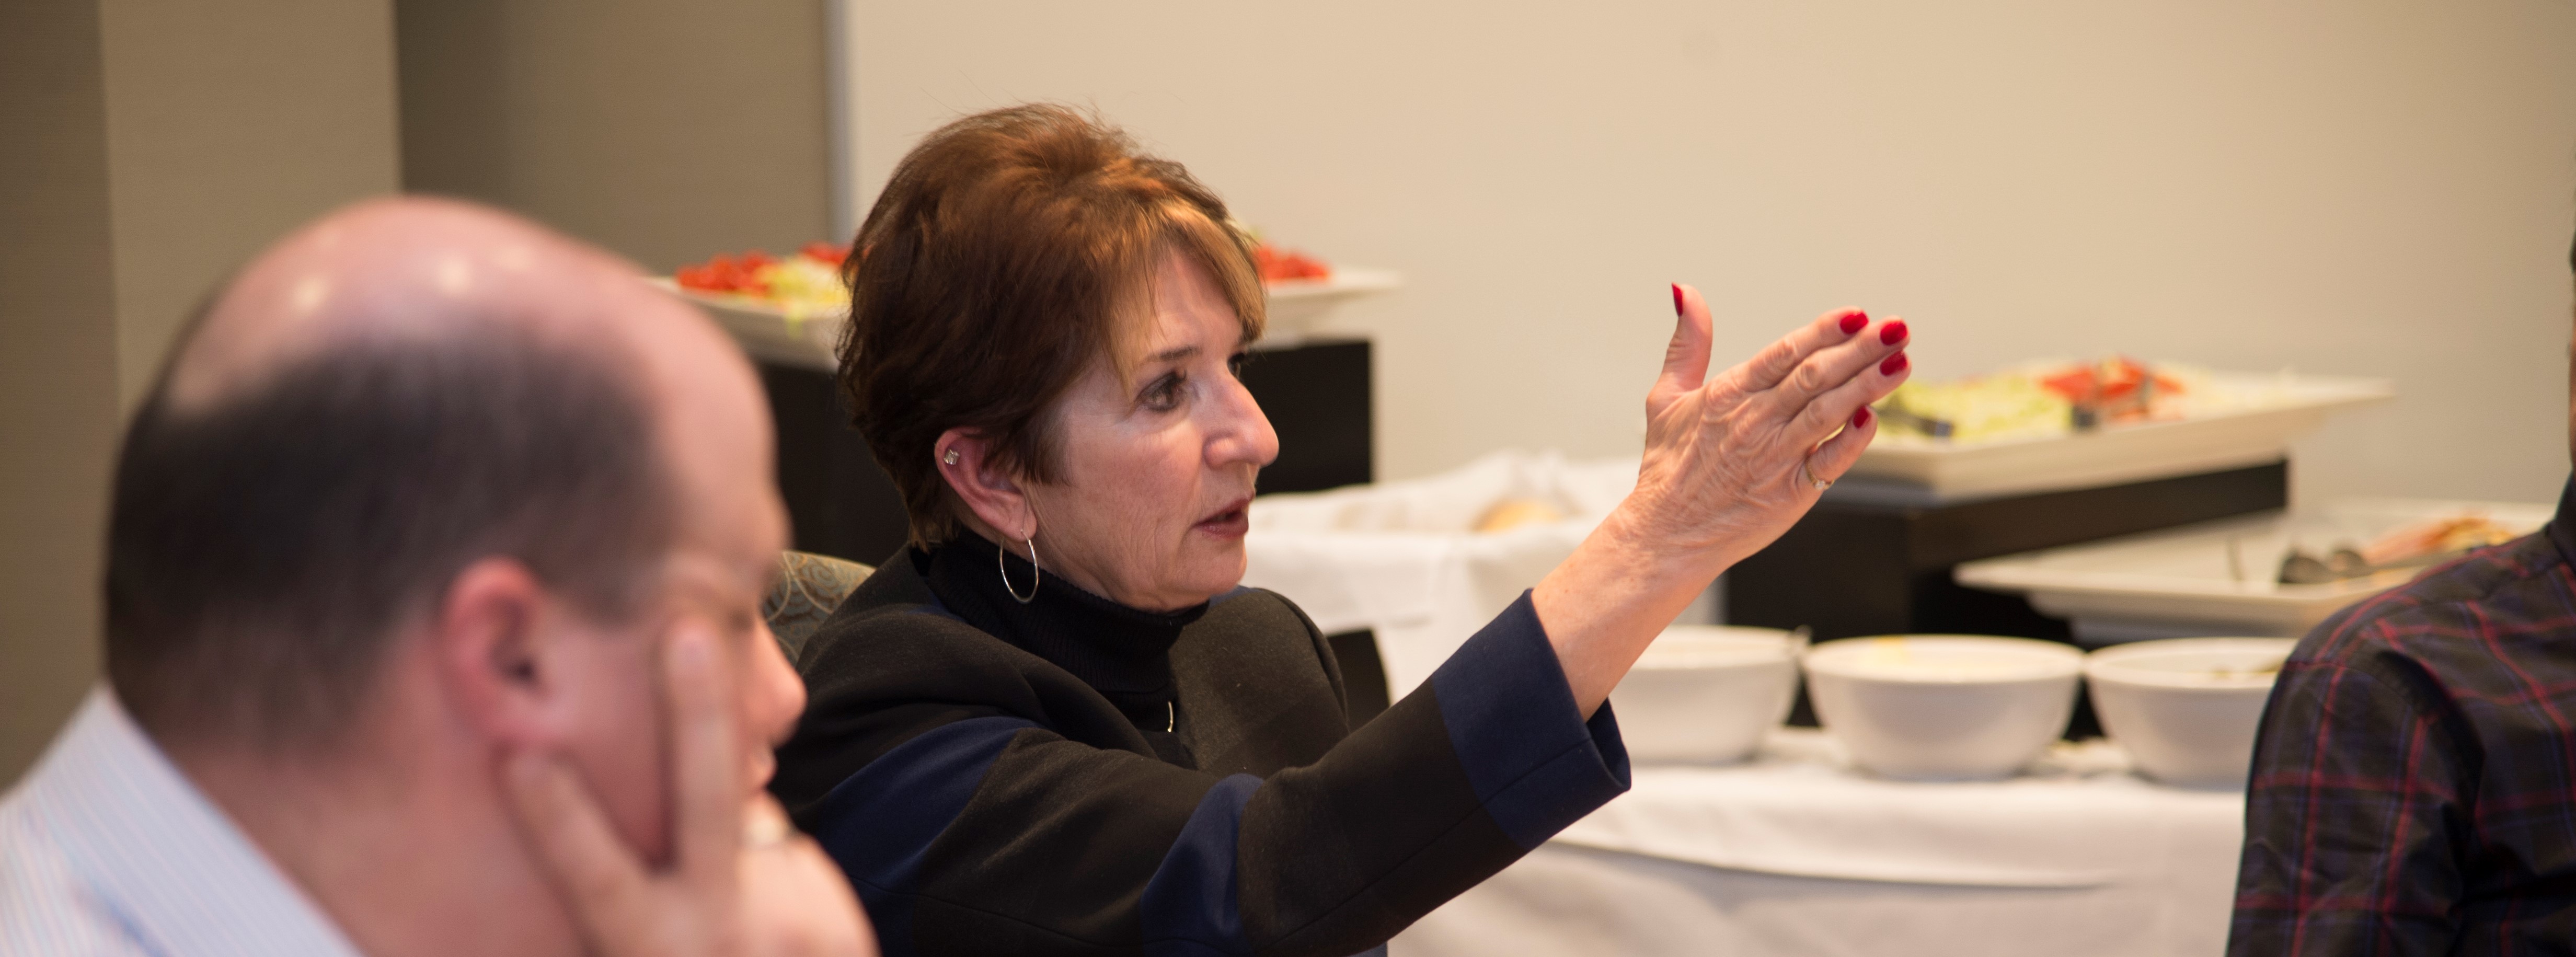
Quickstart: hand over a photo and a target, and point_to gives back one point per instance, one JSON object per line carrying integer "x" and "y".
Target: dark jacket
{"x": 1072, "y": 776}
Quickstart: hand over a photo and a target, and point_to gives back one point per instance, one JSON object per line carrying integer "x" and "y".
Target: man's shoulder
{"x": 108, "y": 848}
{"x": 48, "y": 904}
{"x": 45, "y": 907}
{"x": 2487, "y": 599}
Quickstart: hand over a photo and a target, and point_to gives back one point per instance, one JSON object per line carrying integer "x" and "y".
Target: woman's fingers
{"x": 706, "y": 761}
{"x": 1835, "y": 408}
{"x": 602, "y": 879}
{"x": 1850, "y": 382}
{"x": 1829, "y": 369}
{"x": 1776, "y": 361}
{"x": 1686, "y": 356}
{"x": 1830, "y": 460}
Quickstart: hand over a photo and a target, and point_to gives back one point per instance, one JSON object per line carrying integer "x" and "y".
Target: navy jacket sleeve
{"x": 988, "y": 830}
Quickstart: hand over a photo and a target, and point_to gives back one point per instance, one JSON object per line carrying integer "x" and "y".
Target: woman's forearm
{"x": 1609, "y": 600}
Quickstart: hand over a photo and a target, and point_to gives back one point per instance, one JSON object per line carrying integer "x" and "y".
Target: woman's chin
{"x": 1211, "y": 575}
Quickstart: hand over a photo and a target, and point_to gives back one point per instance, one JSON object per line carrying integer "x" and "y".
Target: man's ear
{"x": 988, "y": 490}
{"x": 491, "y": 657}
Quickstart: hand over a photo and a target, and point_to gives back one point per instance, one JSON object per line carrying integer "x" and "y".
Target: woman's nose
{"x": 1245, "y": 436}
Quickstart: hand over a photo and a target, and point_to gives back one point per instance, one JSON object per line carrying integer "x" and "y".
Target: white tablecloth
{"x": 1791, "y": 853}
{"x": 1794, "y": 853}
{"x": 1403, "y": 559}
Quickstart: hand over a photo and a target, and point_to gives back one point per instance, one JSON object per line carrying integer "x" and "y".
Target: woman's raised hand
{"x": 1732, "y": 460}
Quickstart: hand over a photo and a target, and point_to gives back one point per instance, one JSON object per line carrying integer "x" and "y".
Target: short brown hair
{"x": 1009, "y": 251}
{"x": 263, "y": 551}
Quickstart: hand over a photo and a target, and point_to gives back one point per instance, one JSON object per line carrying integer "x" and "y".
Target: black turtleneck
{"x": 1124, "y": 653}
{"x": 997, "y": 777}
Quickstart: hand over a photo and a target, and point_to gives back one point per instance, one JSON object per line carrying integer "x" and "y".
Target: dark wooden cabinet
{"x": 1860, "y": 564}
{"x": 1318, "y": 396}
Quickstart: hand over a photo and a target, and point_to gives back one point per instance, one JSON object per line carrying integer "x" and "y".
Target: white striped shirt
{"x": 106, "y": 849}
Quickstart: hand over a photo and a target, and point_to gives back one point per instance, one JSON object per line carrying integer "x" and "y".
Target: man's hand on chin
{"x": 742, "y": 880}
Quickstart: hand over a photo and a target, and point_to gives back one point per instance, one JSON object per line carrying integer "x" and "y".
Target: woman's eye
{"x": 1234, "y": 364}
{"x": 1165, "y": 394}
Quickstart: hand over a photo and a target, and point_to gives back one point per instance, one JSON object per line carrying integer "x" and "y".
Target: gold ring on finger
{"x": 1810, "y": 475}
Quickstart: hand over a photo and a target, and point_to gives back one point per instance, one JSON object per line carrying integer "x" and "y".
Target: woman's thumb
{"x": 1686, "y": 357}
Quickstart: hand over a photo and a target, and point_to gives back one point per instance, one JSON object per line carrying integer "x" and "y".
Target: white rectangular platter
{"x": 770, "y": 332}
{"x": 766, "y": 330}
{"x": 2217, "y": 578}
{"x": 2275, "y": 408}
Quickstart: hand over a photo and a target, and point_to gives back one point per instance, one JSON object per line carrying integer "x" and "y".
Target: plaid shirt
{"x": 2414, "y": 786}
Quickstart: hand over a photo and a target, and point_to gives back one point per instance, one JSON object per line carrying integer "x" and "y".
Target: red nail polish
{"x": 1852, "y": 321}
{"x": 1860, "y": 417}
{"x": 1892, "y": 333}
{"x": 1894, "y": 364}
{"x": 1677, "y": 299}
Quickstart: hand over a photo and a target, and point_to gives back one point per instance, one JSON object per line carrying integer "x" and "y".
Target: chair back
{"x": 808, "y": 589}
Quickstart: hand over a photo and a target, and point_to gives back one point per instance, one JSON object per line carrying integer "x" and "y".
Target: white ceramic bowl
{"x": 1706, "y": 693}
{"x": 1943, "y": 707}
{"x": 2186, "y": 709}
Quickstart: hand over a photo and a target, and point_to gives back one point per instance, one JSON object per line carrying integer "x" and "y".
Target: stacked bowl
{"x": 1943, "y": 707}
{"x": 1951, "y": 707}
{"x": 2186, "y": 709}
{"x": 1707, "y": 693}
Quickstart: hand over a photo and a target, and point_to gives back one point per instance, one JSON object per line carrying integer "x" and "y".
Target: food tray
{"x": 770, "y": 332}
{"x": 767, "y": 330}
{"x": 1297, "y": 304}
{"x": 2182, "y": 583}
{"x": 2276, "y": 409}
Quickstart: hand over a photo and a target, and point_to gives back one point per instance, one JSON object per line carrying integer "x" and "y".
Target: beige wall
{"x": 57, "y": 367}
{"x": 229, "y": 123}
{"x": 153, "y": 146}
{"x": 2375, "y": 188}
{"x": 668, "y": 130}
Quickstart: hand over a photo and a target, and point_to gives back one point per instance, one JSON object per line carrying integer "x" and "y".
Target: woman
{"x": 1053, "y": 723}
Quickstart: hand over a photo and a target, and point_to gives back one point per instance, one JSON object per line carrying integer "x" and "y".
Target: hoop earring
{"x": 1036, "y": 575}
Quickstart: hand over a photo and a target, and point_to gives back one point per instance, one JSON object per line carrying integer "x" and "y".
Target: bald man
{"x": 434, "y": 575}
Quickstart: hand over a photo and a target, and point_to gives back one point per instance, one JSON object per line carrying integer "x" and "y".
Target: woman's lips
{"x": 1228, "y": 522}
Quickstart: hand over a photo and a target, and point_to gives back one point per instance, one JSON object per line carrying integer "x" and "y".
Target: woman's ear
{"x": 991, "y": 492}
{"x": 487, "y": 641}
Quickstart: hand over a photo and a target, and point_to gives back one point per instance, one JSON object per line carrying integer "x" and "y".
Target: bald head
{"x": 381, "y": 398}
{"x": 399, "y": 270}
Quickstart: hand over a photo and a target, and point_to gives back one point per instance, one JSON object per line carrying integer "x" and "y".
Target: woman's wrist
{"x": 1605, "y": 603}
{"x": 1663, "y": 549}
